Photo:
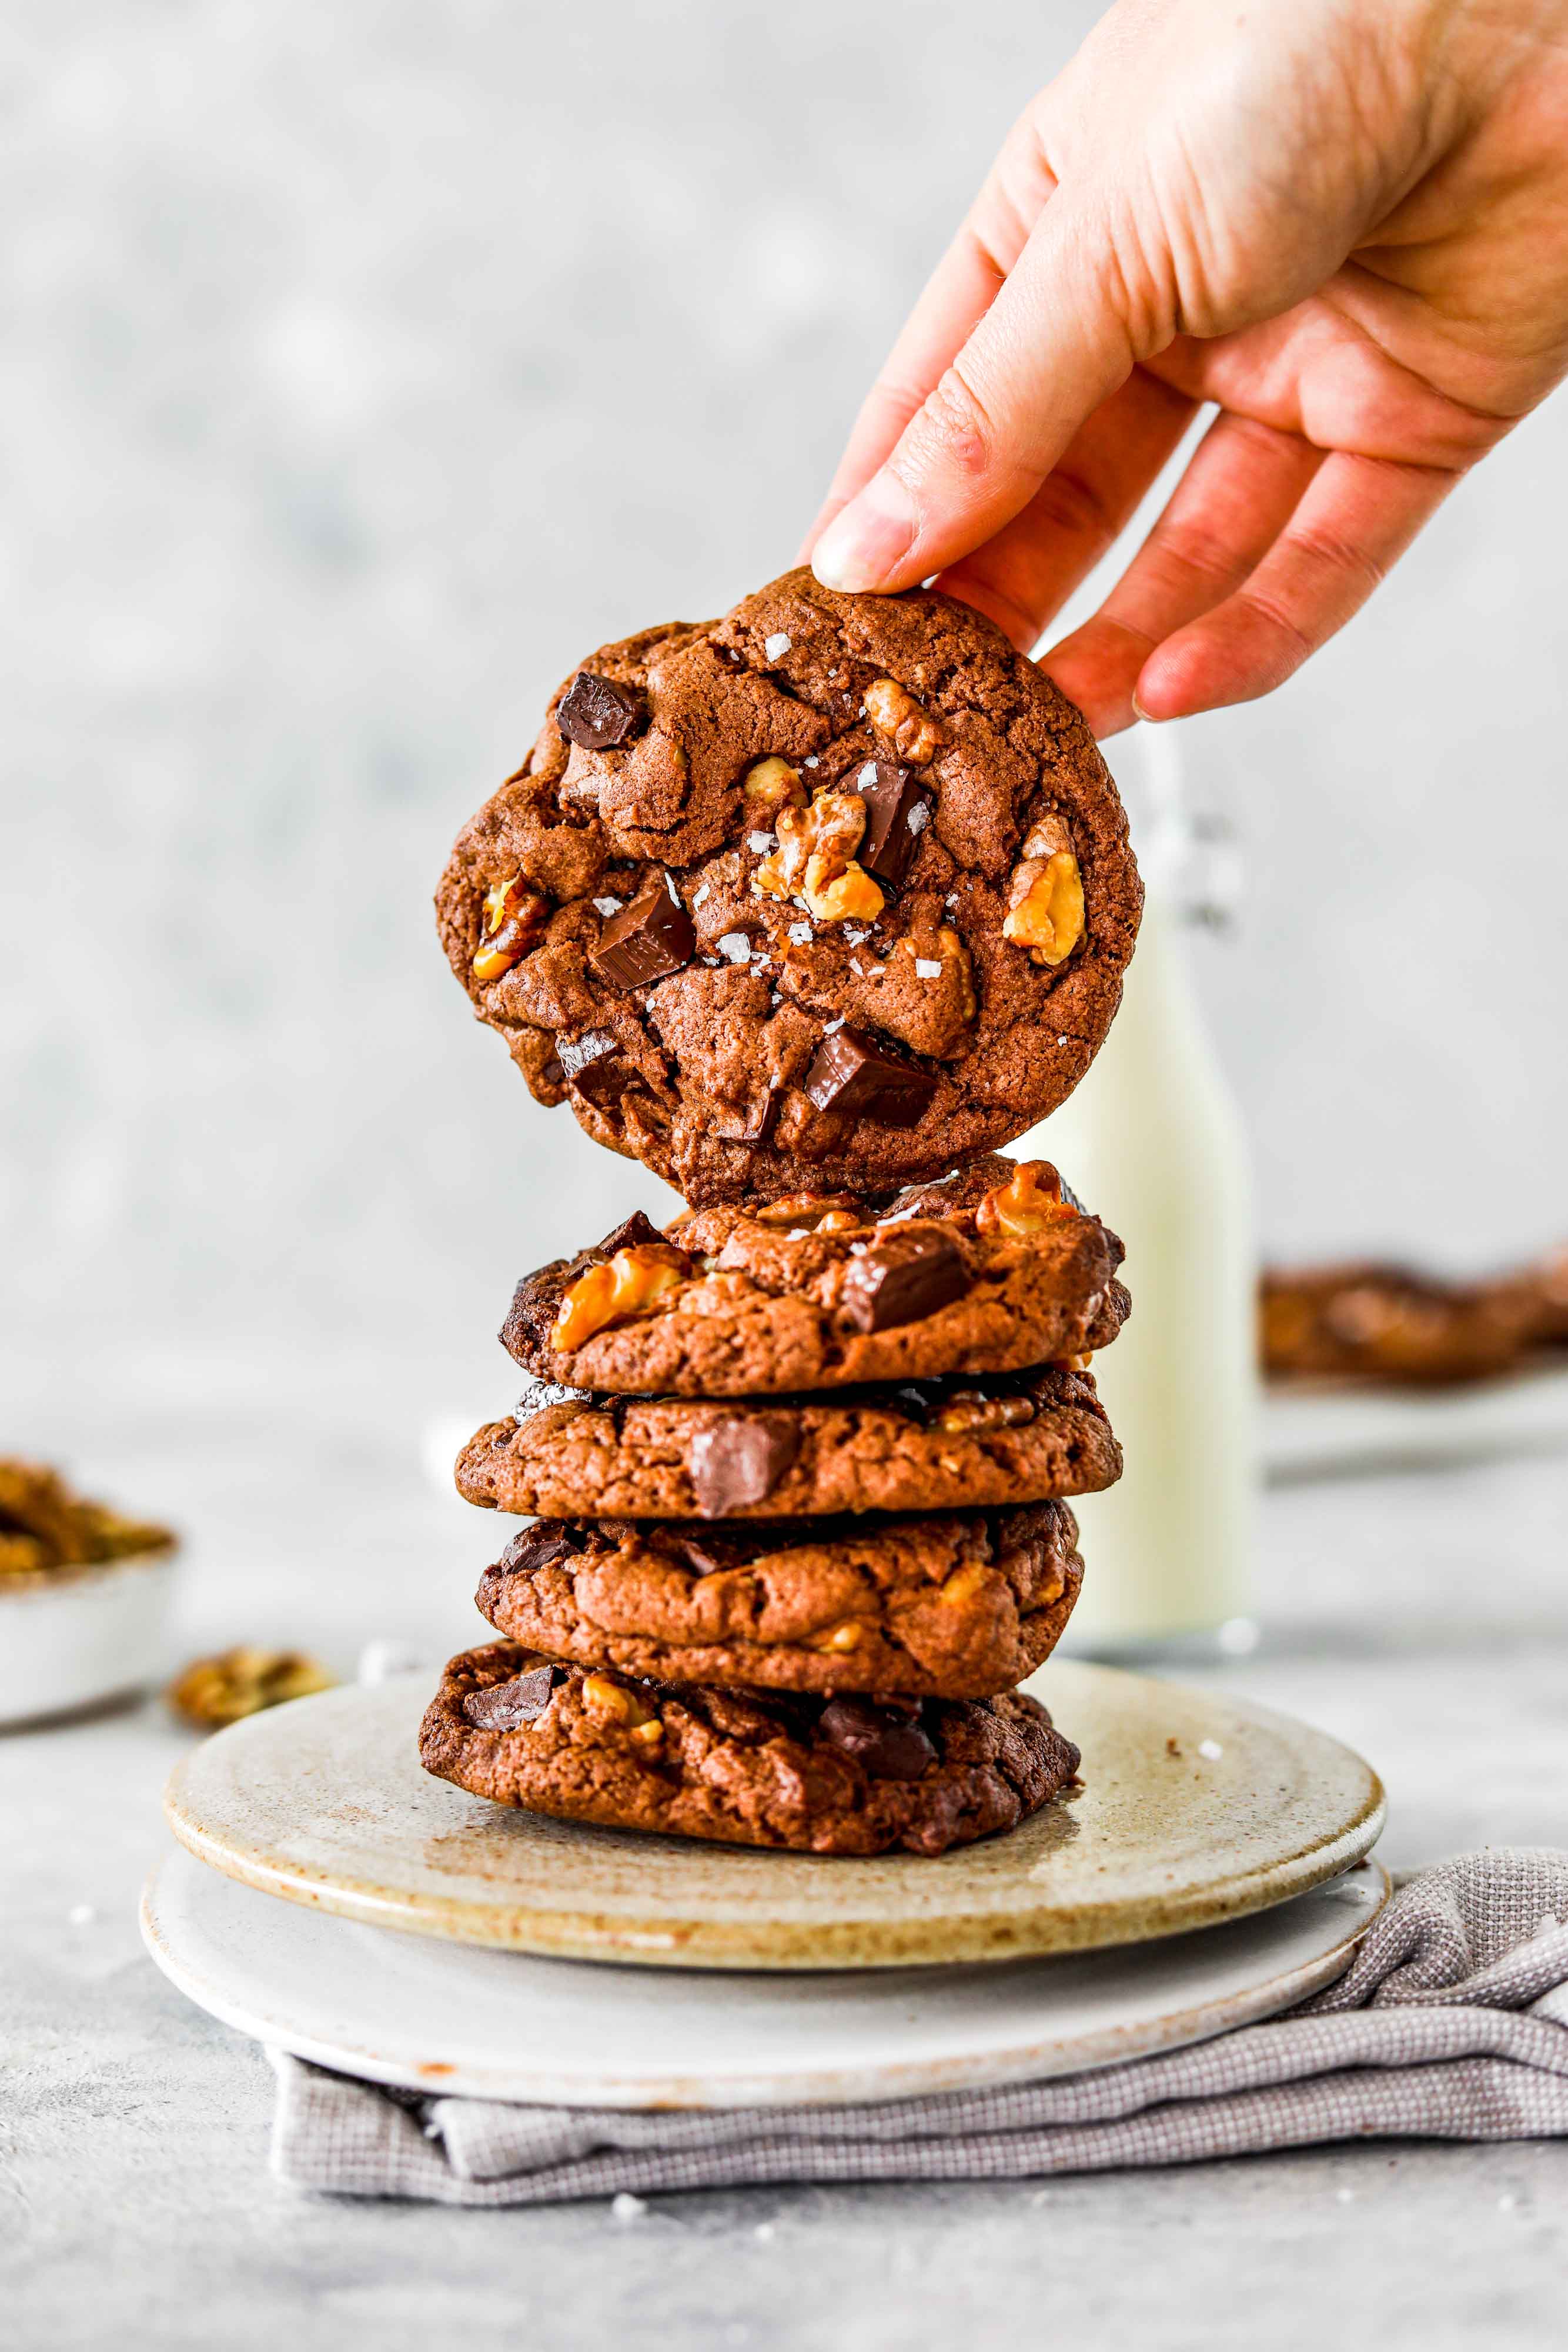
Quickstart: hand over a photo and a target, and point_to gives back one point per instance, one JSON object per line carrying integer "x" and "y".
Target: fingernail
{"x": 862, "y": 543}
{"x": 1147, "y": 715}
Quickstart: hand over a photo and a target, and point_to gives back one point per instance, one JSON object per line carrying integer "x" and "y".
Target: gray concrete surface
{"x": 1418, "y": 1617}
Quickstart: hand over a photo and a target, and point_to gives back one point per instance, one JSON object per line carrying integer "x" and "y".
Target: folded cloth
{"x": 1451, "y": 2022}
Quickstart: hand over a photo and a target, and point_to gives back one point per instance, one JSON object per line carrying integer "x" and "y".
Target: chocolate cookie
{"x": 1390, "y": 1323}
{"x": 990, "y": 1269}
{"x": 958, "y": 1606}
{"x": 1011, "y": 1437}
{"x": 844, "y": 1775}
{"x": 832, "y": 891}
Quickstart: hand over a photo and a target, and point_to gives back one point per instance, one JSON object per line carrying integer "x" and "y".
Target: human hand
{"x": 1346, "y": 224}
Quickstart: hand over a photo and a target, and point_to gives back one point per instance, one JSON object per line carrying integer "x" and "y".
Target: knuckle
{"x": 954, "y": 427}
{"x": 1273, "y": 622}
{"x": 1073, "y": 505}
{"x": 1327, "y": 552}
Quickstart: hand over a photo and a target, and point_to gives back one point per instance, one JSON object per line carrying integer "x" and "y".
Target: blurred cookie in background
{"x": 1368, "y": 1320}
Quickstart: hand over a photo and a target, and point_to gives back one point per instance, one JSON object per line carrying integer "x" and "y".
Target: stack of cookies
{"x": 808, "y": 909}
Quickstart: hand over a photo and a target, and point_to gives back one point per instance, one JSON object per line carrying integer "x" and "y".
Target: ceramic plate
{"x": 502, "y": 2025}
{"x": 1194, "y": 1809}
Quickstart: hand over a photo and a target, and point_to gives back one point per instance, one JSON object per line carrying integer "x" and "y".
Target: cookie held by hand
{"x": 833, "y": 891}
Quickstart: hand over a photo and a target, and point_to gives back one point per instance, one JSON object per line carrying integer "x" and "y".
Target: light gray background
{"x": 367, "y": 364}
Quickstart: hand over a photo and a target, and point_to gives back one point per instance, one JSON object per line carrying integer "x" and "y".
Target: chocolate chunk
{"x": 506, "y": 1706}
{"x": 636, "y": 1232}
{"x": 755, "y": 1121}
{"x": 738, "y": 1459}
{"x": 594, "y": 1064}
{"x": 537, "y": 1547}
{"x": 887, "y": 1743}
{"x": 905, "y": 1277}
{"x": 597, "y": 713}
{"x": 849, "y": 1073}
{"x": 897, "y": 812}
{"x": 646, "y": 940}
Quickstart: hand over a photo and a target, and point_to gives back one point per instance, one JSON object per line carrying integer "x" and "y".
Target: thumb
{"x": 1055, "y": 343}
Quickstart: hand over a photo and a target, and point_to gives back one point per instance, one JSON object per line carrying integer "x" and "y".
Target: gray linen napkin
{"x": 1450, "y": 2023}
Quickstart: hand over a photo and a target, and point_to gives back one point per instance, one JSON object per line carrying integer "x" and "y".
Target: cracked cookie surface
{"x": 957, "y": 1606}
{"x": 989, "y": 1269}
{"x": 847, "y": 1774}
{"x": 920, "y": 1446}
{"x": 834, "y": 890}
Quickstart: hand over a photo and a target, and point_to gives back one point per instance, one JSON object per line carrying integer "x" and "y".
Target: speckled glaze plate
{"x": 1194, "y": 1809}
{"x": 504, "y": 2025}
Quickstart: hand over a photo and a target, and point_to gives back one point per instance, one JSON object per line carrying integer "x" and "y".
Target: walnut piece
{"x": 893, "y": 712}
{"x": 809, "y": 1209}
{"x": 1030, "y": 1202}
{"x": 628, "y": 1285}
{"x": 984, "y": 1412}
{"x": 44, "y": 1527}
{"x": 772, "y": 785}
{"x": 514, "y": 918}
{"x": 1045, "y": 897}
{"x": 839, "y": 1640}
{"x": 243, "y": 1681}
{"x": 611, "y": 1702}
{"x": 850, "y": 897}
{"x": 815, "y": 859}
{"x": 965, "y": 1585}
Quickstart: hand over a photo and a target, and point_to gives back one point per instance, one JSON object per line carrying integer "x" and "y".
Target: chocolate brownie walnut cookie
{"x": 992, "y": 1268}
{"x": 952, "y": 1607}
{"x": 847, "y": 1774}
{"x": 834, "y": 890}
{"x": 1008, "y": 1437}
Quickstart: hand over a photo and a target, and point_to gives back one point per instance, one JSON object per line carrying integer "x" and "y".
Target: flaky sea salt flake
{"x": 776, "y": 647}
{"x": 610, "y": 906}
{"x": 760, "y": 841}
{"x": 928, "y": 967}
{"x": 736, "y": 946}
{"x": 799, "y": 934}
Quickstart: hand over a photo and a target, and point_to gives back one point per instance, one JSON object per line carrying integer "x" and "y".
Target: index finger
{"x": 951, "y": 304}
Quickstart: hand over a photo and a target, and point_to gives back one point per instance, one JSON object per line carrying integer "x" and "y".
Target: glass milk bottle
{"x": 1152, "y": 1140}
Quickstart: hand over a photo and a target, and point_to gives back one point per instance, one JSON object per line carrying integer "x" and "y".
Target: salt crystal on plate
{"x": 928, "y": 967}
{"x": 1211, "y": 1749}
{"x": 777, "y": 647}
{"x": 624, "y": 2207}
{"x": 736, "y": 946}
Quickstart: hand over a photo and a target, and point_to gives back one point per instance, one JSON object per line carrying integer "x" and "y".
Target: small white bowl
{"x": 77, "y": 1636}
